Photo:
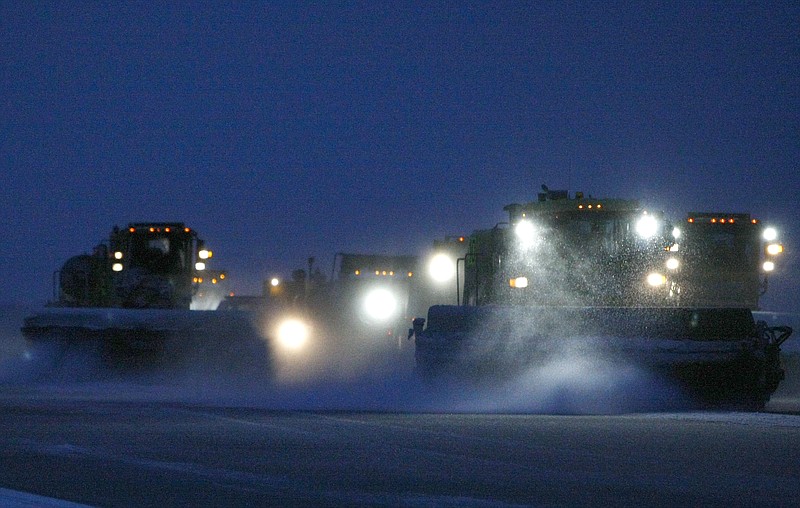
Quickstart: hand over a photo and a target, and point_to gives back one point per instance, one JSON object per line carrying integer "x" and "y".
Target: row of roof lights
{"x": 199, "y": 280}
{"x": 157, "y": 230}
{"x": 721, "y": 220}
{"x": 383, "y": 273}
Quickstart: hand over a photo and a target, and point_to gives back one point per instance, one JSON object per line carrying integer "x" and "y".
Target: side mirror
{"x": 418, "y": 325}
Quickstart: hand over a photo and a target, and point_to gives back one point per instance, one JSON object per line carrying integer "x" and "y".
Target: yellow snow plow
{"x": 576, "y": 276}
{"x": 127, "y": 306}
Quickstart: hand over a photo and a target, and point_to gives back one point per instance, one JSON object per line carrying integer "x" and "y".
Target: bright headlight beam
{"x": 768, "y": 266}
{"x": 656, "y": 279}
{"x": 647, "y": 227}
{"x": 526, "y": 233}
{"x": 770, "y": 234}
{"x": 380, "y": 304}
{"x": 441, "y": 268}
{"x": 292, "y": 334}
{"x": 673, "y": 263}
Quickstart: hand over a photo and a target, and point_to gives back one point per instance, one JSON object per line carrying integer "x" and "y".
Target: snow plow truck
{"x": 611, "y": 280}
{"x": 352, "y": 320}
{"x": 128, "y": 304}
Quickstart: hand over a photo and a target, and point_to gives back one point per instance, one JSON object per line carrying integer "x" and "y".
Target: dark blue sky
{"x": 285, "y": 130}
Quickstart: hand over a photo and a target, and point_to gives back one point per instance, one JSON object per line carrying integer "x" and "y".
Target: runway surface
{"x": 571, "y": 433}
{"x": 88, "y": 449}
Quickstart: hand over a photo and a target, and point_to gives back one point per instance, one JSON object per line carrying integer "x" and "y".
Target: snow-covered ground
{"x": 163, "y": 453}
{"x": 572, "y": 432}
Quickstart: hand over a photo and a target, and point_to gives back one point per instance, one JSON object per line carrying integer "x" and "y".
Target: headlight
{"x": 526, "y": 233}
{"x": 676, "y": 233}
{"x": 770, "y": 234}
{"x": 647, "y": 227}
{"x": 380, "y": 304}
{"x": 774, "y": 249}
{"x": 117, "y": 267}
{"x": 518, "y": 282}
{"x": 292, "y": 334}
{"x": 199, "y": 266}
{"x": 673, "y": 264}
{"x": 441, "y": 268}
{"x": 204, "y": 254}
{"x": 768, "y": 266}
{"x": 656, "y": 279}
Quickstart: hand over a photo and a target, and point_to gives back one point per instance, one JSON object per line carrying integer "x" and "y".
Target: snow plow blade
{"x": 116, "y": 339}
{"x": 718, "y": 355}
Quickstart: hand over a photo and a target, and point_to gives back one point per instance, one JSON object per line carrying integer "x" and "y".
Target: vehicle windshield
{"x": 718, "y": 247}
{"x": 158, "y": 253}
{"x": 604, "y": 233}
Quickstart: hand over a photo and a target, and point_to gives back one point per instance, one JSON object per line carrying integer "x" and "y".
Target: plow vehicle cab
{"x": 723, "y": 260}
{"x": 575, "y": 275}
{"x": 355, "y": 318}
{"x": 367, "y": 299}
{"x": 570, "y": 252}
{"x": 144, "y": 266}
{"x": 128, "y": 303}
{"x": 375, "y": 293}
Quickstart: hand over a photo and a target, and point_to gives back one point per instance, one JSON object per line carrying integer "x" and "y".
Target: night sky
{"x": 286, "y": 130}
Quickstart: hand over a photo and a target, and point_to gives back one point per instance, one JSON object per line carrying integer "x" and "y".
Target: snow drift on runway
{"x": 356, "y": 377}
{"x": 569, "y": 386}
